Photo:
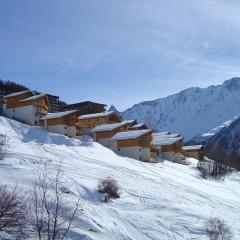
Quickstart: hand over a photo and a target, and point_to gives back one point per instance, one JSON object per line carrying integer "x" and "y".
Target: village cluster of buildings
{"x": 126, "y": 137}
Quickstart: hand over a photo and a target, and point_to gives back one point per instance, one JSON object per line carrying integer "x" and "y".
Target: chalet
{"x": 54, "y": 103}
{"x": 134, "y": 144}
{"x": 87, "y": 122}
{"x": 195, "y": 151}
{"x": 26, "y": 106}
{"x": 61, "y": 123}
{"x": 139, "y": 126}
{"x": 86, "y": 107}
{"x": 167, "y": 146}
{"x": 104, "y": 133}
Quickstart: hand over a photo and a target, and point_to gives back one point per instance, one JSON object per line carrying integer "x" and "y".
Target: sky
{"x": 118, "y": 52}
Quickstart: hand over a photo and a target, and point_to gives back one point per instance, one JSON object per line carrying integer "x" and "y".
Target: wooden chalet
{"x": 104, "y": 133}
{"x": 26, "y": 106}
{"x": 87, "y": 122}
{"x": 86, "y": 107}
{"x": 167, "y": 146}
{"x": 61, "y": 123}
{"x": 135, "y": 144}
{"x": 195, "y": 151}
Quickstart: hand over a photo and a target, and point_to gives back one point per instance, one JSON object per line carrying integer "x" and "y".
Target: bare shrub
{"x": 3, "y": 146}
{"x": 12, "y": 211}
{"x": 110, "y": 187}
{"x": 218, "y": 229}
{"x": 52, "y": 217}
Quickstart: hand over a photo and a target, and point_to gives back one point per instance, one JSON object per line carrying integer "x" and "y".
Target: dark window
{"x": 119, "y": 149}
{"x": 140, "y": 149}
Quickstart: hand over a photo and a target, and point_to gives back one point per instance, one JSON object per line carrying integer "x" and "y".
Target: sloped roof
{"x": 95, "y": 115}
{"x": 130, "y": 121}
{"x": 17, "y": 94}
{"x": 57, "y": 115}
{"x": 108, "y": 127}
{"x": 33, "y": 97}
{"x": 195, "y": 147}
{"x": 138, "y": 125}
{"x": 161, "y": 133}
{"x": 165, "y": 141}
{"x": 130, "y": 134}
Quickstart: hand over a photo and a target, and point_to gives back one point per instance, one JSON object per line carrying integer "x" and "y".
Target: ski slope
{"x": 158, "y": 201}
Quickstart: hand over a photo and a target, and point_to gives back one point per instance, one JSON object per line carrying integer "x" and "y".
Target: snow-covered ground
{"x": 158, "y": 201}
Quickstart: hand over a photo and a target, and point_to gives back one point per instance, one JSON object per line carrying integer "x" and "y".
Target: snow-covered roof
{"x": 173, "y": 135}
{"x": 165, "y": 141}
{"x": 95, "y": 115}
{"x": 57, "y": 115}
{"x": 108, "y": 127}
{"x": 33, "y": 97}
{"x": 189, "y": 148}
{"x": 138, "y": 125}
{"x": 131, "y": 121}
{"x": 17, "y": 94}
{"x": 161, "y": 133}
{"x": 130, "y": 134}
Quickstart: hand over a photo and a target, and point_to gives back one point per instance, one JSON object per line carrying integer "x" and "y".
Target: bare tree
{"x": 52, "y": 218}
{"x": 12, "y": 211}
{"x": 218, "y": 229}
{"x": 110, "y": 187}
{"x": 3, "y": 146}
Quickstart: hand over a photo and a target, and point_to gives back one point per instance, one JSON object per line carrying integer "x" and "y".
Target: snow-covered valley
{"x": 158, "y": 201}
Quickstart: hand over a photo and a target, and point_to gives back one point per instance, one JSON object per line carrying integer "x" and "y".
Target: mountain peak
{"x": 233, "y": 83}
{"x": 191, "y": 111}
{"x": 114, "y": 109}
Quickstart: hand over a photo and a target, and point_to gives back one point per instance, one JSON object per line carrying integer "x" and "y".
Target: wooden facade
{"x": 14, "y": 101}
{"x": 110, "y": 133}
{"x": 68, "y": 120}
{"x": 142, "y": 141}
{"x": 86, "y": 107}
{"x": 197, "y": 153}
{"x": 95, "y": 121}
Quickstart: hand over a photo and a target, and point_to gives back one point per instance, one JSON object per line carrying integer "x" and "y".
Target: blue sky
{"x": 118, "y": 52}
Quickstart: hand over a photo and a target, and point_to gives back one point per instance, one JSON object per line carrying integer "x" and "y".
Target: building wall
{"x": 69, "y": 131}
{"x": 135, "y": 152}
{"x": 26, "y": 113}
{"x": 194, "y": 154}
{"x": 171, "y": 156}
{"x": 106, "y": 142}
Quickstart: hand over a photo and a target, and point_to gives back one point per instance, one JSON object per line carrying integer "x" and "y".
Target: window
{"x": 140, "y": 149}
{"x": 140, "y": 158}
{"x": 119, "y": 149}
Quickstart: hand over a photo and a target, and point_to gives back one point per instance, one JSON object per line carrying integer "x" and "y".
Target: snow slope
{"x": 158, "y": 201}
{"x": 192, "y": 111}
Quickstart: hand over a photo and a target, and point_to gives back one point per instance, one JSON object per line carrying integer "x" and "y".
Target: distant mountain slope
{"x": 191, "y": 111}
{"x": 224, "y": 146}
{"x": 204, "y": 137}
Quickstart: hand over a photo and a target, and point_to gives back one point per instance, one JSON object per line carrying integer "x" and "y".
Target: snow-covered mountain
{"x": 225, "y": 145}
{"x": 191, "y": 111}
{"x": 204, "y": 137}
{"x": 158, "y": 201}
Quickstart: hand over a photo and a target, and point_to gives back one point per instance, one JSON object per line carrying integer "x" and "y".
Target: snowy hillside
{"x": 192, "y": 111}
{"x": 158, "y": 201}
